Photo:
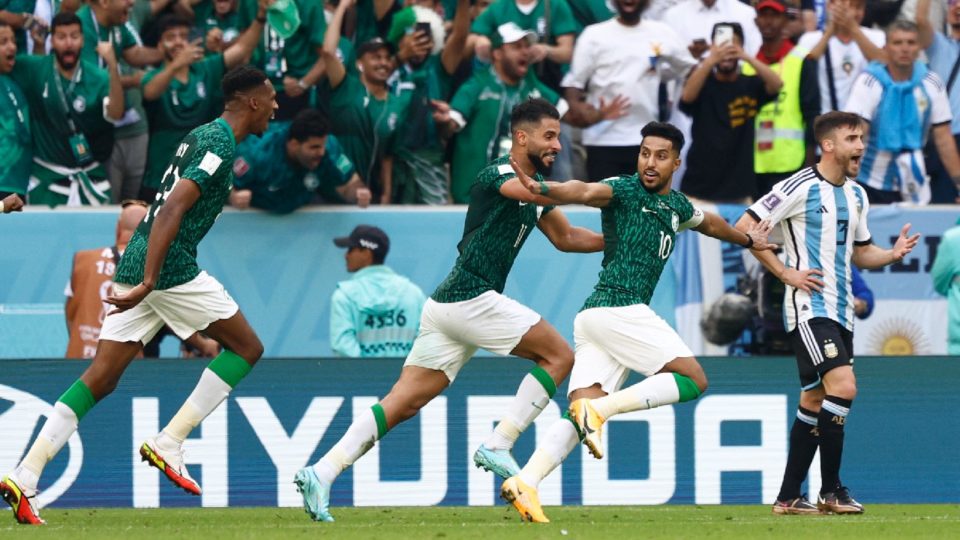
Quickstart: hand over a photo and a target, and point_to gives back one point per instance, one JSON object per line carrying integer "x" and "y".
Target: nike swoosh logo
{"x": 645, "y": 209}
{"x": 539, "y": 408}
{"x": 522, "y": 203}
{"x": 586, "y": 425}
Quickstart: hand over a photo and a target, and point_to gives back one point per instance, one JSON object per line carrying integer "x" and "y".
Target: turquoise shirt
{"x": 280, "y": 186}
{"x": 375, "y": 313}
{"x": 946, "y": 280}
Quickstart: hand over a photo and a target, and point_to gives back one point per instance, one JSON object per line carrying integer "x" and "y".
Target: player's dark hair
{"x": 241, "y": 79}
{"x": 309, "y": 123}
{"x": 4, "y": 24}
{"x": 664, "y": 130}
{"x": 64, "y": 19}
{"x": 172, "y": 20}
{"x": 532, "y": 111}
{"x": 826, "y": 124}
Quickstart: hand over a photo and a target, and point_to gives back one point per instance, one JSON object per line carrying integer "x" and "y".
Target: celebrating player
{"x": 158, "y": 282}
{"x": 823, "y": 214}
{"x": 616, "y": 331}
{"x": 468, "y": 311}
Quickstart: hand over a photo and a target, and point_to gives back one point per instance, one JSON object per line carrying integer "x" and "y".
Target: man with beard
{"x": 904, "y": 104}
{"x": 73, "y": 106}
{"x": 943, "y": 52}
{"x": 159, "y": 282}
{"x": 604, "y": 71}
{"x": 616, "y": 332}
{"x": 468, "y": 311}
{"x": 823, "y": 217}
{"x": 366, "y": 113}
{"x": 420, "y": 171}
{"x": 15, "y": 141}
{"x": 480, "y": 109}
{"x": 722, "y": 103}
{"x": 293, "y": 165}
{"x": 182, "y": 94}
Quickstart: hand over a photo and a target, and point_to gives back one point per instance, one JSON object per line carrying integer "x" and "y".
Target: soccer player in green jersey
{"x": 159, "y": 283}
{"x": 468, "y": 312}
{"x": 616, "y": 332}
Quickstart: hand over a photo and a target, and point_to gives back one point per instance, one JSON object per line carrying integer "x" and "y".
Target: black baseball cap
{"x": 366, "y": 236}
{"x": 374, "y": 44}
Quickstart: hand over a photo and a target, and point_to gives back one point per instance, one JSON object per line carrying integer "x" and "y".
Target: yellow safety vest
{"x": 779, "y": 145}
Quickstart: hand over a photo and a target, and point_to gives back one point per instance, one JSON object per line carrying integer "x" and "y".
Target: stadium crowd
{"x": 404, "y": 101}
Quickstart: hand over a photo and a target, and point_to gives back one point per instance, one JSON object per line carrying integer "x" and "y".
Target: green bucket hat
{"x": 284, "y": 17}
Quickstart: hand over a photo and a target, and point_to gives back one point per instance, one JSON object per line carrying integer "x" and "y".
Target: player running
{"x": 158, "y": 282}
{"x": 468, "y": 311}
{"x": 616, "y": 331}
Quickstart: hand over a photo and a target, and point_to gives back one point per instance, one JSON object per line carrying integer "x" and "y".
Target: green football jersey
{"x": 16, "y": 145}
{"x": 83, "y": 96}
{"x": 182, "y": 107}
{"x": 639, "y": 229}
{"x": 484, "y": 102}
{"x": 292, "y": 57}
{"x": 496, "y": 228}
{"x": 561, "y": 19}
{"x": 122, "y": 36}
{"x": 205, "y": 157}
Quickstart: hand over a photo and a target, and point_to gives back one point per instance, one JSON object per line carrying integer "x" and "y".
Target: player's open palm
{"x": 759, "y": 232}
{"x": 904, "y": 244}
{"x": 124, "y": 302}
{"x": 524, "y": 178}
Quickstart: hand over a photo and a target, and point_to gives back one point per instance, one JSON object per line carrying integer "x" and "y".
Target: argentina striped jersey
{"x": 821, "y": 223}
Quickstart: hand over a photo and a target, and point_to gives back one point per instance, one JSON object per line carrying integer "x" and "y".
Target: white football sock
{"x": 360, "y": 437}
{"x": 560, "y": 440}
{"x": 56, "y": 431}
{"x": 209, "y": 393}
{"x": 531, "y": 398}
{"x": 654, "y": 391}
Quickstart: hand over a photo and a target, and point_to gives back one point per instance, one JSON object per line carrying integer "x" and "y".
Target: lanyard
{"x": 63, "y": 98}
{"x": 16, "y": 103}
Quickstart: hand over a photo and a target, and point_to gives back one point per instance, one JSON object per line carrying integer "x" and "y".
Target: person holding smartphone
{"x": 722, "y": 103}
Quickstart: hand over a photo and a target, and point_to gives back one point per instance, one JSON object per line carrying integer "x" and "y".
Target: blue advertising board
{"x": 727, "y": 447}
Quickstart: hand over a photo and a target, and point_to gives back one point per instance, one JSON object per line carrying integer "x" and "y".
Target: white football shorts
{"x": 186, "y": 309}
{"x": 612, "y": 341}
{"x": 451, "y": 332}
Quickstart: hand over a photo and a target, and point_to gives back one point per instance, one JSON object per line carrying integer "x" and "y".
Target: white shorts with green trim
{"x": 186, "y": 309}
{"x": 451, "y": 332}
{"x": 612, "y": 341}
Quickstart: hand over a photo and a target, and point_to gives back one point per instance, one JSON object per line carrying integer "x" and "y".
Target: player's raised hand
{"x": 106, "y": 51}
{"x": 759, "y": 232}
{"x": 805, "y": 280}
{"x": 129, "y": 300}
{"x": 904, "y": 244}
{"x": 524, "y": 178}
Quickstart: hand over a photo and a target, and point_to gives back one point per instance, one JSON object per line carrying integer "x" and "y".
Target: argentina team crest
{"x": 830, "y": 349}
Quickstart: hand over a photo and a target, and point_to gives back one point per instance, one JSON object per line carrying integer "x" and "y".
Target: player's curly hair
{"x": 532, "y": 111}
{"x": 241, "y": 79}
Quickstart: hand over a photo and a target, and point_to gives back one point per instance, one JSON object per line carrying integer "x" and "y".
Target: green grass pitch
{"x": 571, "y": 522}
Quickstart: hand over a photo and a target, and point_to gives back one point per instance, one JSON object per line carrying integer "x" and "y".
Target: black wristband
{"x": 749, "y": 243}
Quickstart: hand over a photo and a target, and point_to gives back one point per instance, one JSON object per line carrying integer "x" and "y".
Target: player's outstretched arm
{"x": 165, "y": 226}
{"x": 565, "y": 237}
{"x": 569, "y": 192}
{"x": 871, "y": 256}
{"x": 805, "y": 280}
{"x": 753, "y": 235}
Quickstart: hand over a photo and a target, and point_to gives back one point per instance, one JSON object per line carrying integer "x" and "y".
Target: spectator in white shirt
{"x": 623, "y": 57}
{"x": 693, "y": 20}
{"x": 842, "y": 51}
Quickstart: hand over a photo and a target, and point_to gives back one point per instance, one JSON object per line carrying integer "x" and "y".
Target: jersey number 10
{"x": 666, "y": 245}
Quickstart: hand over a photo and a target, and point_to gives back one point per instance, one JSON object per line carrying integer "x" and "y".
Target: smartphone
{"x": 423, "y": 27}
{"x": 722, "y": 35}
